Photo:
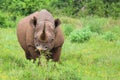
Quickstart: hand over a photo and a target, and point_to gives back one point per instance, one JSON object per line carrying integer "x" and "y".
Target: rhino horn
{"x": 43, "y": 35}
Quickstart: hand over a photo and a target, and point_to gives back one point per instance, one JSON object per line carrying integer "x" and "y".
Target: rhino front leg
{"x": 28, "y": 55}
{"x": 56, "y": 54}
{"x": 33, "y": 53}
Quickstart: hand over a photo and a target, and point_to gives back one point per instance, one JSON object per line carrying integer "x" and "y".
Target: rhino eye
{"x": 46, "y": 47}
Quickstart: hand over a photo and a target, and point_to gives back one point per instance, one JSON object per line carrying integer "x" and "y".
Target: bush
{"x": 7, "y": 20}
{"x": 80, "y": 35}
{"x": 24, "y": 7}
{"x": 95, "y": 24}
{"x": 109, "y": 36}
{"x": 4, "y": 20}
{"x": 68, "y": 29}
{"x": 74, "y": 8}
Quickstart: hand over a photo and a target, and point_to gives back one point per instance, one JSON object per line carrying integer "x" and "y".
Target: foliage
{"x": 95, "y": 24}
{"x": 23, "y": 7}
{"x": 74, "y": 8}
{"x": 109, "y": 36}
{"x": 6, "y": 20}
{"x": 80, "y": 35}
{"x": 102, "y": 8}
{"x": 96, "y": 59}
{"x": 68, "y": 28}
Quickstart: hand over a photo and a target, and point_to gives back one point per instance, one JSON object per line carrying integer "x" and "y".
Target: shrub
{"x": 95, "y": 28}
{"x": 68, "y": 29}
{"x": 74, "y": 8}
{"x": 80, "y": 35}
{"x": 5, "y": 20}
{"x": 109, "y": 36}
{"x": 95, "y": 24}
{"x": 8, "y": 20}
{"x": 21, "y": 7}
{"x": 2, "y": 19}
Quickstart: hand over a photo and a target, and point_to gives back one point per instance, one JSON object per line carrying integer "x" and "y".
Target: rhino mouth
{"x": 42, "y": 49}
{"x": 44, "y": 52}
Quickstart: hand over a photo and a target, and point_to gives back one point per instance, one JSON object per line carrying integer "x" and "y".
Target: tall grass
{"x": 95, "y": 59}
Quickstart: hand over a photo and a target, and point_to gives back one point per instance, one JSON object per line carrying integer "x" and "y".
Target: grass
{"x": 96, "y": 59}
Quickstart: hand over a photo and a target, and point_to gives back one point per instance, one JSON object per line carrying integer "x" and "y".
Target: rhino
{"x": 40, "y": 31}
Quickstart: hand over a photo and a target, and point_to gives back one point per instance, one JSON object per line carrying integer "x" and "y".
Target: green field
{"x": 95, "y": 59}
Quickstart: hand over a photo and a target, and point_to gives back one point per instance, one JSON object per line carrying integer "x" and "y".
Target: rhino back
{"x": 44, "y": 15}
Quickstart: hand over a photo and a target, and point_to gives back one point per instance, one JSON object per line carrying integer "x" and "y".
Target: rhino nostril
{"x": 37, "y": 45}
{"x": 46, "y": 47}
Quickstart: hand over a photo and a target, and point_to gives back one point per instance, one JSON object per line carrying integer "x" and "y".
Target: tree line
{"x": 73, "y": 8}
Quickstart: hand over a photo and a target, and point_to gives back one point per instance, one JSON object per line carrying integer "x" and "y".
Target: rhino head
{"x": 44, "y": 33}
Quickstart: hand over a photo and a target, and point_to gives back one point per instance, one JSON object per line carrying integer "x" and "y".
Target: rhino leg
{"x": 33, "y": 53}
{"x": 28, "y": 55}
{"x": 56, "y": 54}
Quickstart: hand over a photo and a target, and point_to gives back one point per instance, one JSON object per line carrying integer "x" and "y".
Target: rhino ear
{"x": 33, "y": 22}
{"x": 57, "y": 22}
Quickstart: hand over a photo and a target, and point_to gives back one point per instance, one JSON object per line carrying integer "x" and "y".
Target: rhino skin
{"x": 40, "y": 29}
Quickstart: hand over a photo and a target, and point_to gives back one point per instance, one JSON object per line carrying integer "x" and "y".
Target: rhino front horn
{"x": 43, "y": 35}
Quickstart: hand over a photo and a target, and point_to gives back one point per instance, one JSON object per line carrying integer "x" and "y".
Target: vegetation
{"x": 96, "y": 58}
{"x": 80, "y": 35}
{"x": 68, "y": 29}
{"x": 109, "y": 36}
{"x": 74, "y": 8}
{"x": 92, "y": 41}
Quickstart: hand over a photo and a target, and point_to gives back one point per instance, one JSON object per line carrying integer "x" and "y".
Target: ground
{"x": 95, "y": 59}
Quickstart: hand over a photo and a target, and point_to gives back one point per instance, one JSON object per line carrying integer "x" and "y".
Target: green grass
{"x": 96, "y": 59}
